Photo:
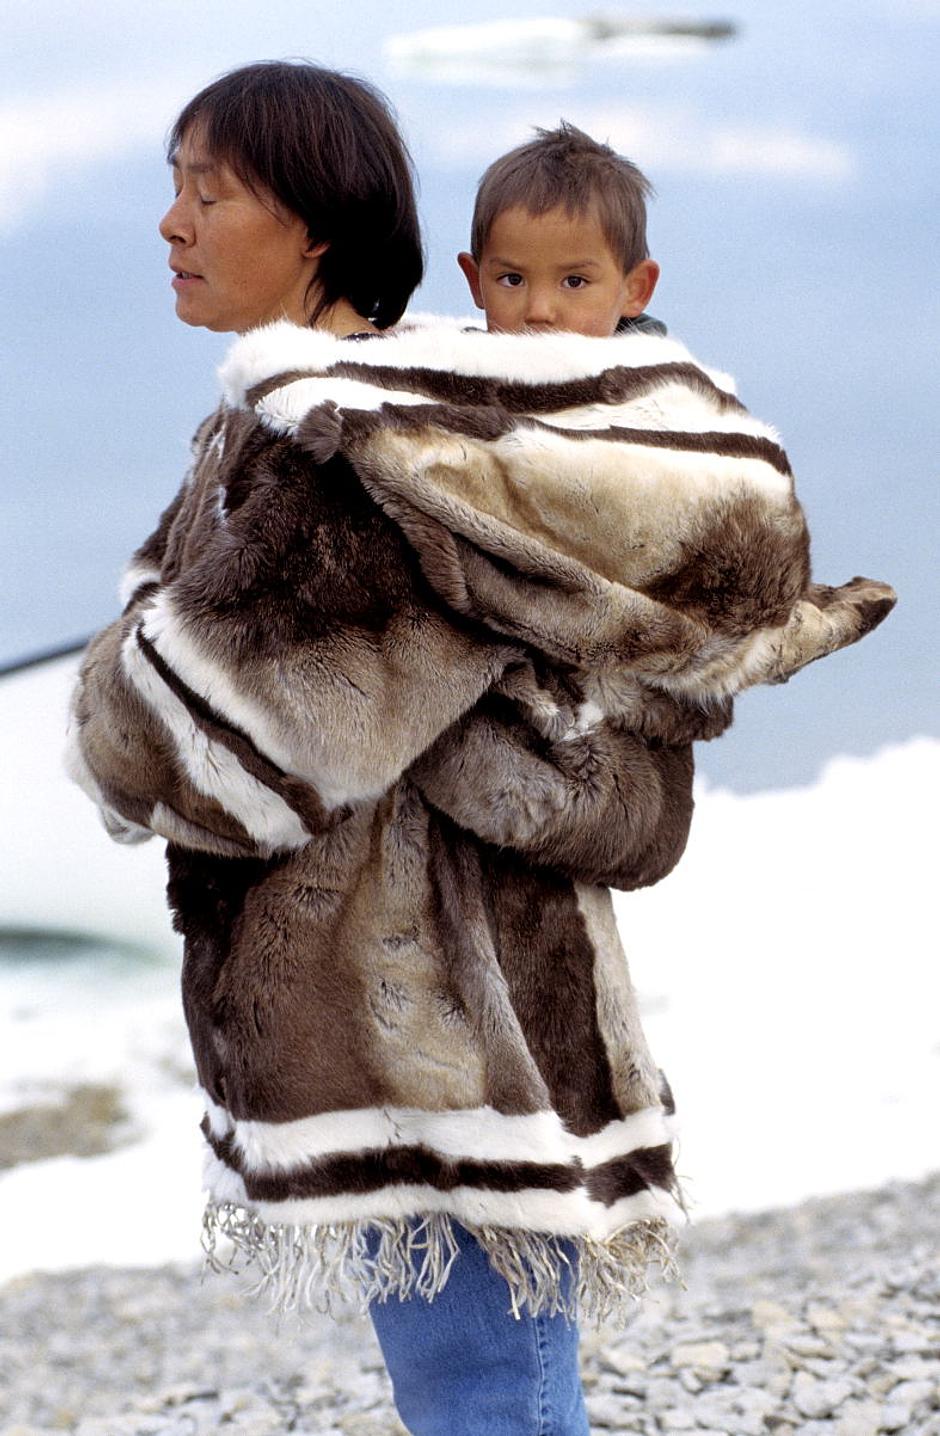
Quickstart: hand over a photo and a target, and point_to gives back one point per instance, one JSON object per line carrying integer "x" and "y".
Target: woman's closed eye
{"x": 203, "y": 199}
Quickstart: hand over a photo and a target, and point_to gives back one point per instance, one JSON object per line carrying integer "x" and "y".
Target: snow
{"x": 787, "y": 972}
{"x": 59, "y": 866}
{"x": 790, "y": 966}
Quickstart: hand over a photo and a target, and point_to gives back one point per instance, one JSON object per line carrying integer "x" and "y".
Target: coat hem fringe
{"x": 313, "y": 1268}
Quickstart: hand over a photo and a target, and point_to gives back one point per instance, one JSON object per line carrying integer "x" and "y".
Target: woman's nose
{"x": 175, "y": 226}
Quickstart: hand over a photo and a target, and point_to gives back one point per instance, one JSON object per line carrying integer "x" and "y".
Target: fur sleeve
{"x": 285, "y": 663}
{"x": 598, "y": 804}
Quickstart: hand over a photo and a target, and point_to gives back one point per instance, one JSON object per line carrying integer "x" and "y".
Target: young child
{"x": 558, "y": 239}
{"x": 558, "y": 242}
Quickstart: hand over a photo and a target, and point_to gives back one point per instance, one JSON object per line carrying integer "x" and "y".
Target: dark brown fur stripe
{"x": 207, "y": 896}
{"x": 540, "y": 929}
{"x": 300, "y": 799}
{"x": 625, "y": 1176}
{"x": 617, "y": 385}
{"x": 372, "y": 1169}
{"x": 714, "y": 441}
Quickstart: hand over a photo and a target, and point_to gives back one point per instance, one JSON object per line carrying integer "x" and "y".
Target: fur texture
{"x": 408, "y": 676}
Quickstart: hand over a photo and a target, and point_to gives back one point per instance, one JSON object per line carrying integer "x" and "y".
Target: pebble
{"x": 822, "y": 1320}
{"x": 677, "y": 1420}
{"x": 826, "y": 1319}
{"x": 808, "y": 1345}
{"x": 605, "y": 1410}
{"x": 858, "y": 1418}
{"x": 620, "y": 1362}
{"x": 709, "y": 1359}
{"x": 818, "y": 1398}
{"x": 746, "y": 1350}
{"x": 771, "y": 1316}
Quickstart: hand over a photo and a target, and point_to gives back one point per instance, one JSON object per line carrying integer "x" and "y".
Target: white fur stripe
{"x": 653, "y": 468}
{"x": 671, "y": 408}
{"x": 134, "y": 577}
{"x": 476, "y": 1134}
{"x": 162, "y": 625}
{"x": 571, "y": 1214}
{"x": 587, "y": 716}
{"x": 283, "y": 409}
{"x": 211, "y": 768}
{"x": 220, "y": 1123}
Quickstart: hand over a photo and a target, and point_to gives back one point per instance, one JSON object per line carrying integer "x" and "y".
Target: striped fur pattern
{"x": 408, "y": 676}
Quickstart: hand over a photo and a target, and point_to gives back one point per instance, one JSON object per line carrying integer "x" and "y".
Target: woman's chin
{"x": 192, "y": 309}
{"x": 189, "y": 312}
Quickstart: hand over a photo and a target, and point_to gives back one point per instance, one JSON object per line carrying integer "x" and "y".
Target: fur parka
{"x": 408, "y": 678}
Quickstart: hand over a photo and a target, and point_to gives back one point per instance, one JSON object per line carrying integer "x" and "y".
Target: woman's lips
{"x": 184, "y": 280}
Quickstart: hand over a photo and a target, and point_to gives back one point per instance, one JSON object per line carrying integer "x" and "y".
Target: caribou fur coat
{"x": 408, "y": 677}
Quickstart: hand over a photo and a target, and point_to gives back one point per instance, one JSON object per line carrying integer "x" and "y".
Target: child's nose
{"x": 541, "y": 306}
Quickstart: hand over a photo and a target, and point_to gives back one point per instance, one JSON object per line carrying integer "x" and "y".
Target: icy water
{"x": 797, "y": 195}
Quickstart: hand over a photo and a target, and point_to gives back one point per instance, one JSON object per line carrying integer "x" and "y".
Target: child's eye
{"x": 510, "y": 281}
{"x": 574, "y": 281}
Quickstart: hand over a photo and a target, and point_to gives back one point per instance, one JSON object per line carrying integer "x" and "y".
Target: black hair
{"x": 327, "y": 147}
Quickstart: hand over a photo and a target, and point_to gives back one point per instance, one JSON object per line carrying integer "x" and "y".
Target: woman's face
{"x": 237, "y": 262}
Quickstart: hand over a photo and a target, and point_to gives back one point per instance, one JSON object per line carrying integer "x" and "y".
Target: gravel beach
{"x": 822, "y": 1319}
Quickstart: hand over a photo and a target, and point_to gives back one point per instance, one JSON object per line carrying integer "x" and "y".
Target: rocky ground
{"x": 823, "y": 1319}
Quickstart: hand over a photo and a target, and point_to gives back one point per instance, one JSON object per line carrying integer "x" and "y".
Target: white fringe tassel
{"x": 309, "y": 1268}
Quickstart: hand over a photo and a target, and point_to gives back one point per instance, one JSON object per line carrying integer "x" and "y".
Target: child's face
{"x": 554, "y": 271}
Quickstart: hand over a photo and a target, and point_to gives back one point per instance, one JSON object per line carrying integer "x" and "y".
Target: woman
{"x": 350, "y": 687}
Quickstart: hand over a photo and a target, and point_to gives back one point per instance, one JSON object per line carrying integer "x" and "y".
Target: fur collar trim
{"x": 428, "y": 342}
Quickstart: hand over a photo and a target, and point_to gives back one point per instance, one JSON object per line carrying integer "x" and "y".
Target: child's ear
{"x": 471, "y": 272}
{"x": 638, "y": 287}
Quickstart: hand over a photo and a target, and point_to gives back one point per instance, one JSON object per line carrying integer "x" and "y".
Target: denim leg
{"x": 463, "y": 1365}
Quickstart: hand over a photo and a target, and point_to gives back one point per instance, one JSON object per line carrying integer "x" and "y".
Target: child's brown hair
{"x": 565, "y": 167}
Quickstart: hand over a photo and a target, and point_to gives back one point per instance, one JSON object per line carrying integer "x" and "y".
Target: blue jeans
{"x": 463, "y": 1365}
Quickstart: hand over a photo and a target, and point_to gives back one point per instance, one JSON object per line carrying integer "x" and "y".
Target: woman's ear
{"x": 471, "y": 272}
{"x": 316, "y": 248}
